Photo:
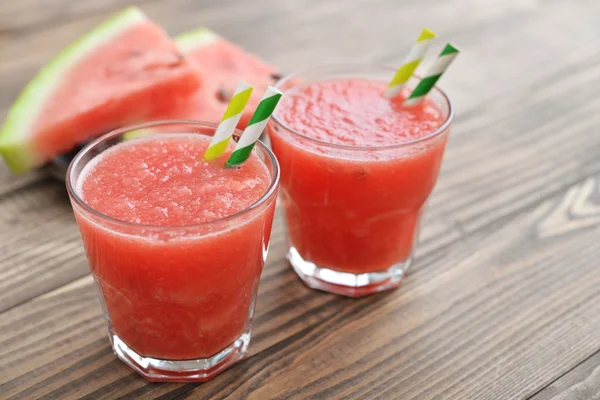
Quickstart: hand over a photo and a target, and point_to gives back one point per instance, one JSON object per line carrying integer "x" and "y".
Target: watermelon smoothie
{"x": 356, "y": 171}
{"x": 175, "y": 244}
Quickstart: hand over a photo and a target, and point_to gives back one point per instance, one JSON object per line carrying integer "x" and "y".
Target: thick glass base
{"x": 199, "y": 370}
{"x": 345, "y": 283}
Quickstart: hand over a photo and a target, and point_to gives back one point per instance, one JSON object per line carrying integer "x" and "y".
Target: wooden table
{"x": 503, "y": 301}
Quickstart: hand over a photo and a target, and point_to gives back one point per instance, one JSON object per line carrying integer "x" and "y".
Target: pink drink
{"x": 177, "y": 246}
{"x": 163, "y": 181}
{"x": 356, "y": 170}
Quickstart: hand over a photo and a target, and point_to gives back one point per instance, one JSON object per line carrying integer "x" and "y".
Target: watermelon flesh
{"x": 223, "y": 65}
{"x": 124, "y": 71}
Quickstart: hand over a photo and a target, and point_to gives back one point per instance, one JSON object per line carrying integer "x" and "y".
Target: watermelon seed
{"x": 276, "y": 76}
{"x": 177, "y": 60}
{"x": 224, "y": 95}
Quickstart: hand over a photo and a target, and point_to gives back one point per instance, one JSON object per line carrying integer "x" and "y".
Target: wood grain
{"x": 455, "y": 333}
{"x": 469, "y": 209}
{"x": 40, "y": 248}
{"x": 18, "y": 18}
{"x": 502, "y": 302}
{"x": 307, "y": 23}
{"x": 581, "y": 383}
{"x": 10, "y": 183}
{"x": 450, "y": 331}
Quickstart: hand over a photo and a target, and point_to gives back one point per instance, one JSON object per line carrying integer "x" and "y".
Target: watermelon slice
{"x": 223, "y": 65}
{"x": 125, "y": 70}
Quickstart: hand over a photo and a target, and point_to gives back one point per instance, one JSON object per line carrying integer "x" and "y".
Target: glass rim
{"x": 442, "y": 128}
{"x": 114, "y": 133}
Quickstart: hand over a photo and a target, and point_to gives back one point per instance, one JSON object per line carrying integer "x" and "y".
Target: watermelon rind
{"x": 16, "y": 135}
{"x": 192, "y": 40}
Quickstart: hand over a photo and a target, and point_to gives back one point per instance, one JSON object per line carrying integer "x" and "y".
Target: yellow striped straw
{"x": 226, "y": 127}
{"x": 410, "y": 64}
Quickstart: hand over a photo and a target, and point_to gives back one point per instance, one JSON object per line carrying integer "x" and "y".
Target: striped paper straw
{"x": 433, "y": 74}
{"x": 232, "y": 116}
{"x": 255, "y": 127}
{"x": 411, "y": 62}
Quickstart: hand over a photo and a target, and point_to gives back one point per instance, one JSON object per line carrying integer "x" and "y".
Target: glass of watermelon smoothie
{"x": 356, "y": 171}
{"x": 175, "y": 244}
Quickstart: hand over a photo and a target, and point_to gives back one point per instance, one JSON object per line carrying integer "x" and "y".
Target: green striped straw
{"x": 410, "y": 64}
{"x": 255, "y": 127}
{"x": 226, "y": 127}
{"x": 433, "y": 74}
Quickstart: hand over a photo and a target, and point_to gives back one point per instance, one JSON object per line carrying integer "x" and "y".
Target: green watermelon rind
{"x": 16, "y": 141}
{"x": 195, "y": 39}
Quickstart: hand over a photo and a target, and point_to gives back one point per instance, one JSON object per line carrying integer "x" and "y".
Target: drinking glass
{"x": 353, "y": 212}
{"x": 178, "y": 300}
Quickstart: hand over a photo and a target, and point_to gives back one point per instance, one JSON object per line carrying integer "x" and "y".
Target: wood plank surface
{"x": 503, "y": 301}
{"x": 447, "y": 332}
{"x": 581, "y": 383}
